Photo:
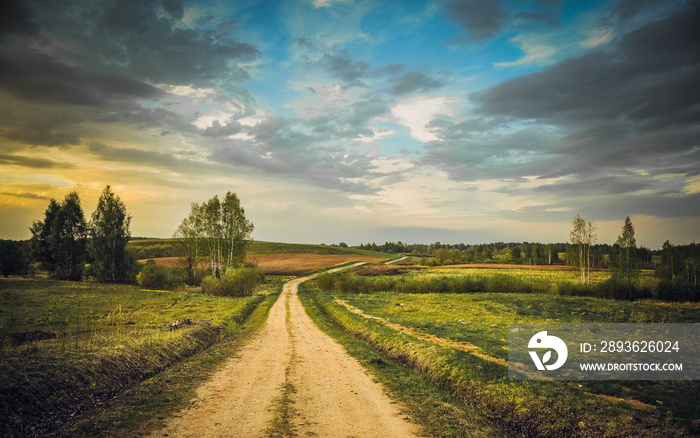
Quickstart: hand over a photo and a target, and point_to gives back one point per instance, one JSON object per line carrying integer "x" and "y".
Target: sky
{"x": 458, "y": 121}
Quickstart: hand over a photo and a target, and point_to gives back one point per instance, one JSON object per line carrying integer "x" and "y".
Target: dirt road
{"x": 294, "y": 370}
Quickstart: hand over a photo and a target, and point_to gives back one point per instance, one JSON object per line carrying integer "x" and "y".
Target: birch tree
{"x": 219, "y": 228}
{"x": 582, "y": 236}
{"x": 188, "y": 235}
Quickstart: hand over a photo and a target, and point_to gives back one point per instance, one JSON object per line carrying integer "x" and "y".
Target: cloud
{"x": 347, "y": 70}
{"x": 482, "y": 18}
{"x": 417, "y": 112}
{"x": 646, "y": 79}
{"x": 536, "y": 49}
{"x": 30, "y": 162}
{"x": 276, "y": 147}
{"x": 16, "y": 19}
{"x": 143, "y": 41}
{"x": 414, "y": 81}
{"x": 25, "y": 195}
{"x": 634, "y": 104}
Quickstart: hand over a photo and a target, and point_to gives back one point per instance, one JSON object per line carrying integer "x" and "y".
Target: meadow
{"x": 66, "y": 347}
{"x": 479, "y": 319}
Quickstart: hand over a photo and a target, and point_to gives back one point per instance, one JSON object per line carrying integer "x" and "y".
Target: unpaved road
{"x": 329, "y": 394}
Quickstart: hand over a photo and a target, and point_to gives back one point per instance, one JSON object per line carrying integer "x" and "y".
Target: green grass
{"x": 521, "y": 408}
{"x": 64, "y": 346}
{"x": 154, "y": 248}
{"x": 259, "y": 247}
{"x": 481, "y": 318}
{"x": 145, "y": 407}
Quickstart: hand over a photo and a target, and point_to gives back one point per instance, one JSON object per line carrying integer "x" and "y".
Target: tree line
{"x": 69, "y": 247}
{"x": 63, "y": 242}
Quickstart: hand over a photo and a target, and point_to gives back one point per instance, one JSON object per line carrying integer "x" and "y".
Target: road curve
{"x": 332, "y": 395}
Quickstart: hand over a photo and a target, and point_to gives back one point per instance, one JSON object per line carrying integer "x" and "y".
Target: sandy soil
{"x": 333, "y": 395}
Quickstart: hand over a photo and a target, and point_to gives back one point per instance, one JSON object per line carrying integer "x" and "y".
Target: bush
{"x": 159, "y": 277}
{"x": 326, "y": 281}
{"x": 669, "y": 290}
{"x": 234, "y": 283}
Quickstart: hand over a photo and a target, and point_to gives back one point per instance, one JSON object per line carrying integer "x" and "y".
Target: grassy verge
{"x": 67, "y": 348}
{"x": 145, "y": 407}
{"x": 525, "y": 408}
{"x": 481, "y": 319}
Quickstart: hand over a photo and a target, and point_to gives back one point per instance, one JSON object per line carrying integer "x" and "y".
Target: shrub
{"x": 668, "y": 290}
{"x": 234, "y": 283}
{"x": 326, "y": 281}
{"x": 155, "y": 276}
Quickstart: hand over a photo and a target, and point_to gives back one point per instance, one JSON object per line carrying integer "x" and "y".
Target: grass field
{"x": 604, "y": 408}
{"x": 65, "y": 346}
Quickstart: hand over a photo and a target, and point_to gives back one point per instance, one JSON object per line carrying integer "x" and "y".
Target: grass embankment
{"x": 518, "y": 408}
{"x": 70, "y": 347}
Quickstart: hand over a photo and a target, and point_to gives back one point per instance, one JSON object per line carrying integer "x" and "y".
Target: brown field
{"x": 301, "y": 263}
{"x": 288, "y": 264}
{"x": 375, "y": 270}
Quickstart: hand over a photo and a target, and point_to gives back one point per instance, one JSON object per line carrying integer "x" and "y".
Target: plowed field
{"x": 289, "y": 264}
{"x": 299, "y": 264}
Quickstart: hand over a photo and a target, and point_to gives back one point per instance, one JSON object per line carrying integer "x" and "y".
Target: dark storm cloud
{"x": 627, "y": 9}
{"x": 96, "y": 62}
{"x": 646, "y": 82}
{"x": 633, "y": 104}
{"x": 140, "y": 40}
{"x": 143, "y": 40}
{"x": 44, "y": 79}
{"x": 482, "y": 18}
{"x": 16, "y": 18}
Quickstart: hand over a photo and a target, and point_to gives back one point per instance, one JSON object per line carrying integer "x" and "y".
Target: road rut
{"x": 331, "y": 393}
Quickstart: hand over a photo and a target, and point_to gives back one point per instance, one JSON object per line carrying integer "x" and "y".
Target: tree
{"x": 237, "y": 230}
{"x": 188, "y": 235}
{"x": 109, "y": 234}
{"x": 582, "y": 237}
{"x": 223, "y": 229}
{"x": 59, "y": 242}
{"x": 624, "y": 260}
{"x": 40, "y": 245}
{"x": 13, "y": 258}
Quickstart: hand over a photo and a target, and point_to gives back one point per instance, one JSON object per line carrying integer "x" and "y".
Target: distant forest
{"x": 520, "y": 253}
